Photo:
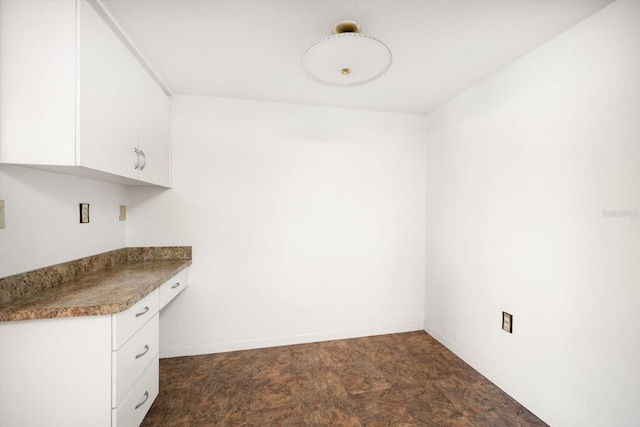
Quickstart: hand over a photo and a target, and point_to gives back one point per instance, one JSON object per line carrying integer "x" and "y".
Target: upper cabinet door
{"x": 109, "y": 99}
{"x": 38, "y": 82}
{"x": 154, "y": 133}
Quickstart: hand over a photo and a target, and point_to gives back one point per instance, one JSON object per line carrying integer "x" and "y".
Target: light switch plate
{"x": 2, "y": 225}
{"x": 84, "y": 213}
{"x": 123, "y": 213}
{"x": 507, "y": 322}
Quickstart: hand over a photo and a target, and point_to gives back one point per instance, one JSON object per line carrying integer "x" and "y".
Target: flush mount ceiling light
{"x": 346, "y": 58}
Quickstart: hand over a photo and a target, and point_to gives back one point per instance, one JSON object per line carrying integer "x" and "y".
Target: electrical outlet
{"x": 507, "y": 322}
{"x": 123, "y": 213}
{"x": 2, "y": 214}
{"x": 84, "y": 213}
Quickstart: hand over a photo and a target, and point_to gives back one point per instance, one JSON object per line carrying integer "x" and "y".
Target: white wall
{"x": 42, "y": 218}
{"x": 520, "y": 169}
{"x": 306, "y": 223}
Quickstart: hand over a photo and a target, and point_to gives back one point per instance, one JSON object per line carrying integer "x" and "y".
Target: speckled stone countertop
{"x": 102, "y": 284}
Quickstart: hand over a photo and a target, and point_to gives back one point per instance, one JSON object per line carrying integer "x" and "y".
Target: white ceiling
{"x": 251, "y": 49}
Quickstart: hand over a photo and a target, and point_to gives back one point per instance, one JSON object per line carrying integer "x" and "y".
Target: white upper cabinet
{"x": 74, "y": 99}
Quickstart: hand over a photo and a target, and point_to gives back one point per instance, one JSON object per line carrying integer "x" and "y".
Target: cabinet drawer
{"x": 173, "y": 287}
{"x": 130, "y": 361}
{"x": 127, "y": 322}
{"x": 136, "y": 404}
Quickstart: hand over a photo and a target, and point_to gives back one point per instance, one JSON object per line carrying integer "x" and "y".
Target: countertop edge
{"x": 36, "y": 313}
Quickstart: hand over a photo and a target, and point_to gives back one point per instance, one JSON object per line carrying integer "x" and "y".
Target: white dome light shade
{"x": 346, "y": 60}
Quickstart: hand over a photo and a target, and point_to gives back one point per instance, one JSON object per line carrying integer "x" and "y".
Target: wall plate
{"x": 84, "y": 213}
{"x": 507, "y": 322}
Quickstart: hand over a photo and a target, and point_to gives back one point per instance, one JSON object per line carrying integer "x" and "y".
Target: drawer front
{"x": 131, "y": 360}
{"x": 126, "y": 323}
{"x": 136, "y": 404}
{"x": 173, "y": 287}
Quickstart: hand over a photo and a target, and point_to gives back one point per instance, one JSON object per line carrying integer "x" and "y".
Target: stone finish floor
{"x": 404, "y": 379}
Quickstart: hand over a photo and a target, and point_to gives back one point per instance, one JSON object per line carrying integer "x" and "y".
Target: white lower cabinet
{"x": 126, "y": 323}
{"x": 173, "y": 287}
{"x": 130, "y": 361}
{"x": 98, "y": 371}
{"x": 56, "y": 372}
{"x": 136, "y": 404}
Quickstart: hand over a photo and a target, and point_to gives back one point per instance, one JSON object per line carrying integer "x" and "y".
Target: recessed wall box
{"x": 507, "y": 322}
{"x": 84, "y": 213}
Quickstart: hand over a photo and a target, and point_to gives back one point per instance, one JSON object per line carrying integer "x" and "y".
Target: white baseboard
{"x": 545, "y": 414}
{"x": 289, "y": 340}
